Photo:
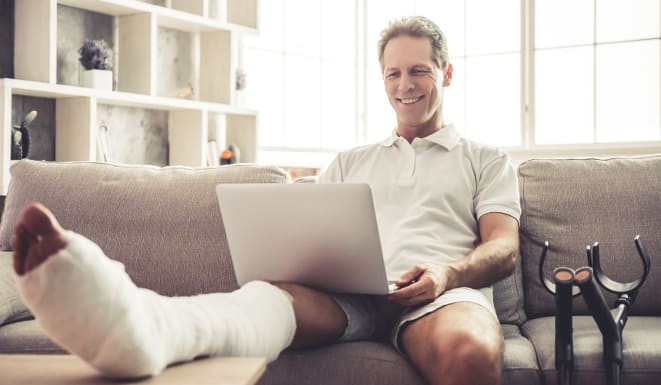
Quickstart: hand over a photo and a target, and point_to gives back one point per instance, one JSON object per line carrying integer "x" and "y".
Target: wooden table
{"x": 24, "y": 369}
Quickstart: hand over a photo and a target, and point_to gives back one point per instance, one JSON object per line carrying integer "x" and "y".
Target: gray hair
{"x": 417, "y": 26}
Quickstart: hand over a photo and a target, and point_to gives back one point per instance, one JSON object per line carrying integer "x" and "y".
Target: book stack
{"x": 104, "y": 151}
{"x": 213, "y": 154}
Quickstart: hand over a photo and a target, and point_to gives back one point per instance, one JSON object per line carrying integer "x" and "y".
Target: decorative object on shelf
{"x": 218, "y": 10}
{"x": 96, "y": 57}
{"x": 20, "y": 137}
{"x": 103, "y": 143}
{"x": 181, "y": 93}
{"x": 230, "y": 155}
{"x": 239, "y": 87}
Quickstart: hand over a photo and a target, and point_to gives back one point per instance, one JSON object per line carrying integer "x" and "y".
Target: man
{"x": 436, "y": 195}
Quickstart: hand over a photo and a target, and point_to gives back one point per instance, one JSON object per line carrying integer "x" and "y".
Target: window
{"x": 597, "y": 71}
{"x": 528, "y": 74}
{"x": 304, "y": 61}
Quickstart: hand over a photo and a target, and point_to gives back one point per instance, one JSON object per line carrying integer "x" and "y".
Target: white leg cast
{"x": 88, "y": 304}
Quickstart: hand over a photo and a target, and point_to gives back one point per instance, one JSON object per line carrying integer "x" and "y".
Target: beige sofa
{"x": 164, "y": 225}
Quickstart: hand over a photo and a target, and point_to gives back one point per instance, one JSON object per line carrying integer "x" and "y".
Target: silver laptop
{"x": 323, "y": 236}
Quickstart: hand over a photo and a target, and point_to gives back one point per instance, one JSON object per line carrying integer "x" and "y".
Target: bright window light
{"x": 564, "y": 95}
{"x": 590, "y": 76}
{"x": 628, "y": 97}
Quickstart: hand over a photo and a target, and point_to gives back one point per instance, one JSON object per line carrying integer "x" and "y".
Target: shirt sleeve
{"x": 332, "y": 174}
{"x": 497, "y": 188}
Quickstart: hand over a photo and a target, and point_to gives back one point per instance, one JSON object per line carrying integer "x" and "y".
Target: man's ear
{"x": 447, "y": 75}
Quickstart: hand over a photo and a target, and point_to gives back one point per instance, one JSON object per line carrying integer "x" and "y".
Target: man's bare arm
{"x": 494, "y": 259}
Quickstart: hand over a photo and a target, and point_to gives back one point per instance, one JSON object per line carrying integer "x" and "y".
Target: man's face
{"x": 413, "y": 82}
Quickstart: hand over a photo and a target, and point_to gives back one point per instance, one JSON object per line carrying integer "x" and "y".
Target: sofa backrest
{"x": 164, "y": 224}
{"x": 573, "y": 203}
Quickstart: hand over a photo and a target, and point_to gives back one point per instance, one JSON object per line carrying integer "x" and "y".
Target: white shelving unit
{"x": 35, "y": 60}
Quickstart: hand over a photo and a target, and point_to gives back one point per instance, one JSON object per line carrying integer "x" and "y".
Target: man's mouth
{"x": 410, "y": 100}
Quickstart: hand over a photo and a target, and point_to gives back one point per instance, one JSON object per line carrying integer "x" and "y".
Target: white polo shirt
{"x": 429, "y": 194}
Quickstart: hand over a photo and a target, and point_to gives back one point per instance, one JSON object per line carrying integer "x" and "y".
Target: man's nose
{"x": 406, "y": 83}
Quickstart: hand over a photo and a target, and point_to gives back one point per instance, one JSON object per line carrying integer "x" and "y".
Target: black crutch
{"x": 610, "y": 325}
{"x": 563, "y": 289}
{"x": 588, "y": 279}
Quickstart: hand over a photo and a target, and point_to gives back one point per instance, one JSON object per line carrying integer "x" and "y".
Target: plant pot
{"x": 239, "y": 98}
{"x": 97, "y": 79}
{"x": 218, "y": 10}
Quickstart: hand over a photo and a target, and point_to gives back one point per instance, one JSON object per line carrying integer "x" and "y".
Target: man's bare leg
{"x": 319, "y": 319}
{"x": 460, "y": 343}
{"x": 88, "y": 304}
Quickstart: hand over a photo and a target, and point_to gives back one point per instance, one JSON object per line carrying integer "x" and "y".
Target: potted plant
{"x": 97, "y": 59}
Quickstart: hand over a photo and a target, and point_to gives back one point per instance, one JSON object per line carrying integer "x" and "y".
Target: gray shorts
{"x": 372, "y": 317}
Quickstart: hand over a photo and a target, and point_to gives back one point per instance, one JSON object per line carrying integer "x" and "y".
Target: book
{"x": 213, "y": 157}
{"x": 104, "y": 151}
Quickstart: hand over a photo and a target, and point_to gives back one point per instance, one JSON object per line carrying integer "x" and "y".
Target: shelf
{"x": 191, "y": 123}
{"x": 214, "y": 43}
{"x": 115, "y": 98}
{"x": 76, "y": 123}
{"x": 166, "y": 17}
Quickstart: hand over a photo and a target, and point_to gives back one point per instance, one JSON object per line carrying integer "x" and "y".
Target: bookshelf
{"x": 76, "y": 123}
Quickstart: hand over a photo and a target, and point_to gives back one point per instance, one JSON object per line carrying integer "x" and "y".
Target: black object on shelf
{"x": 588, "y": 281}
{"x": 20, "y": 137}
{"x": 230, "y": 155}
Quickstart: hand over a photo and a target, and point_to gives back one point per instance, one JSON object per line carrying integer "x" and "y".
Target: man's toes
{"x": 20, "y": 242}
{"x": 37, "y": 255}
{"x": 39, "y": 221}
{"x": 36, "y": 237}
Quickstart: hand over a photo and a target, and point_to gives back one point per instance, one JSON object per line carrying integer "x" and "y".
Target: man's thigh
{"x": 447, "y": 328}
{"x": 319, "y": 319}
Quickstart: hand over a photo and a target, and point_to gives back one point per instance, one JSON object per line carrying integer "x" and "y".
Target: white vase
{"x": 239, "y": 98}
{"x": 98, "y": 79}
{"x": 218, "y": 10}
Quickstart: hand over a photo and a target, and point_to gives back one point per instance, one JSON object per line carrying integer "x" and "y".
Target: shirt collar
{"x": 447, "y": 137}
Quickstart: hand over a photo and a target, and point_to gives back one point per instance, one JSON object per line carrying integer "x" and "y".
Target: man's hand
{"x": 420, "y": 285}
{"x": 492, "y": 260}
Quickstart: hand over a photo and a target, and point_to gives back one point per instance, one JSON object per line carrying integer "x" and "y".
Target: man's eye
{"x": 420, "y": 72}
{"x": 391, "y": 75}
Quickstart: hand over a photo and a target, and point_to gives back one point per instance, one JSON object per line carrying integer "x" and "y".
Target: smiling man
{"x": 447, "y": 210}
{"x": 437, "y": 197}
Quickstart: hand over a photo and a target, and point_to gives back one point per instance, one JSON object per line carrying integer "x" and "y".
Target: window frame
{"x": 527, "y": 148}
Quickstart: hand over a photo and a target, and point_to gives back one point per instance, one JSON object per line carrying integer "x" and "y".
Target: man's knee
{"x": 469, "y": 351}
{"x": 460, "y": 344}
{"x": 291, "y": 288}
{"x": 468, "y": 357}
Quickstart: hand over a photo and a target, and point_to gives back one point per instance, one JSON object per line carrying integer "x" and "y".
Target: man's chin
{"x": 409, "y": 122}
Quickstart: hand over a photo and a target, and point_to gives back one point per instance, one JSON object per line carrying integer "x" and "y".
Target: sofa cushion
{"x": 641, "y": 348}
{"x": 163, "y": 223}
{"x": 368, "y": 362}
{"x": 508, "y": 298}
{"x": 519, "y": 359}
{"x": 360, "y": 362}
{"x": 26, "y": 337}
{"x": 11, "y": 307}
{"x": 575, "y": 202}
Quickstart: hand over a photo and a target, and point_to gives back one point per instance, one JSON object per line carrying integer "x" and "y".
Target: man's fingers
{"x": 411, "y": 275}
{"x": 416, "y": 293}
{"x": 412, "y": 298}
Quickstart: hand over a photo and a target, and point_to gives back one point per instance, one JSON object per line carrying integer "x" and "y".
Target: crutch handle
{"x": 563, "y": 278}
